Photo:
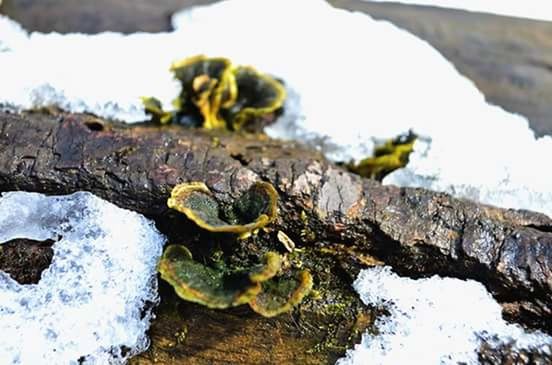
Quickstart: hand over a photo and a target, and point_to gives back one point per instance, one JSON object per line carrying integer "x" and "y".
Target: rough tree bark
{"x": 345, "y": 220}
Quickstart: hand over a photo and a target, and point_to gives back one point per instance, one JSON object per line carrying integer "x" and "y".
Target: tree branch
{"x": 416, "y": 231}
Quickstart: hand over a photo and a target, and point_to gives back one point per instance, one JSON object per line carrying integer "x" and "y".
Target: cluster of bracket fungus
{"x": 390, "y": 156}
{"x": 218, "y": 95}
{"x": 269, "y": 286}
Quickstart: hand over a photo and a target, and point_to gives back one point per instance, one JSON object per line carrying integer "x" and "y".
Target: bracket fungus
{"x": 254, "y": 209}
{"x": 259, "y": 97}
{"x": 281, "y": 294}
{"x": 223, "y": 287}
{"x": 154, "y": 108}
{"x": 212, "y": 287}
{"x": 218, "y": 95}
{"x": 390, "y": 156}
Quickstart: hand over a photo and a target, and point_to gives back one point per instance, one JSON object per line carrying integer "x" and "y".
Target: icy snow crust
{"x": 351, "y": 80}
{"x": 533, "y": 9}
{"x": 433, "y": 321}
{"x": 90, "y": 301}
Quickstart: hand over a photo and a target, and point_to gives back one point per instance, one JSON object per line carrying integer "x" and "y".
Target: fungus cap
{"x": 253, "y": 210}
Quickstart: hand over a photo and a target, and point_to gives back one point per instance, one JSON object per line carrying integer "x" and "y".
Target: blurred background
{"x": 509, "y": 59}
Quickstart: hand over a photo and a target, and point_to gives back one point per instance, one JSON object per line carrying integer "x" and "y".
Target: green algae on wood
{"x": 254, "y": 209}
{"x": 390, "y": 156}
{"x": 218, "y": 95}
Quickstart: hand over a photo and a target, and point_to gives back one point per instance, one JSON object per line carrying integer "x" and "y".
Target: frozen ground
{"x": 532, "y": 9}
{"x": 93, "y": 303}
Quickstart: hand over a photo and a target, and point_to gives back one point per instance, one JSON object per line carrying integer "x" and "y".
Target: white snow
{"x": 97, "y": 294}
{"x": 105, "y": 74}
{"x": 433, "y": 321}
{"x": 12, "y": 35}
{"x": 532, "y": 9}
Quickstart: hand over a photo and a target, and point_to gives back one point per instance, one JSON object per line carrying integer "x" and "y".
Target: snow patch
{"x": 94, "y": 301}
{"x": 12, "y": 35}
{"x": 433, "y": 321}
{"x": 104, "y": 74}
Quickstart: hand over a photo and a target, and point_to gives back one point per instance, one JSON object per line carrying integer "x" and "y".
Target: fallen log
{"x": 345, "y": 220}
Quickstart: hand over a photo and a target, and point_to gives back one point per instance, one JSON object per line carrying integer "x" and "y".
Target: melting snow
{"x": 433, "y": 321}
{"x": 96, "y": 296}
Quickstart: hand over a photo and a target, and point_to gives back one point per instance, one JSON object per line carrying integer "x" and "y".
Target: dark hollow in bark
{"x": 25, "y": 259}
{"x": 417, "y": 232}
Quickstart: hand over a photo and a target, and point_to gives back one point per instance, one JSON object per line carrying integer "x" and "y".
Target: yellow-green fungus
{"x": 254, "y": 209}
{"x": 215, "y": 287}
{"x": 259, "y": 97}
{"x": 154, "y": 108}
{"x": 201, "y": 284}
{"x": 216, "y": 94}
{"x": 207, "y": 84}
{"x": 281, "y": 294}
{"x": 267, "y": 270}
{"x": 387, "y": 158}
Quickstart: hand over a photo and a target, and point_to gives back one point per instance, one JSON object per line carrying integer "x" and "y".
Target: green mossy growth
{"x": 253, "y": 210}
{"x": 281, "y": 294}
{"x": 390, "y": 156}
{"x": 217, "y": 95}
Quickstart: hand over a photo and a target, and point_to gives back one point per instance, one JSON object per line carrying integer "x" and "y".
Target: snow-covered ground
{"x": 532, "y": 9}
{"x": 351, "y": 81}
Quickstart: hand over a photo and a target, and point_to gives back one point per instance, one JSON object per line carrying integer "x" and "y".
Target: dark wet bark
{"x": 24, "y": 260}
{"x": 416, "y": 231}
{"x": 490, "y": 354}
